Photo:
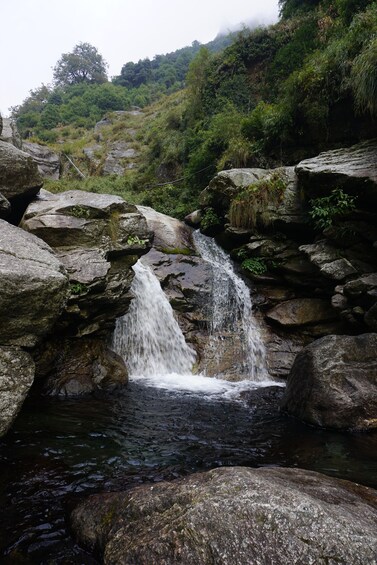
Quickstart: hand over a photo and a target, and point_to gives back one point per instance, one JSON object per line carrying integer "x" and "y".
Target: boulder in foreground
{"x": 234, "y": 516}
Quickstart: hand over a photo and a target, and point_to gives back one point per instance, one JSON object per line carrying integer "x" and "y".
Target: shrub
{"x": 328, "y": 209}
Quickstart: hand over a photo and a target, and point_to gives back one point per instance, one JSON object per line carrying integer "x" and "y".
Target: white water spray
{"x": 231, "y": 313}
{"x": 148, "y": 336}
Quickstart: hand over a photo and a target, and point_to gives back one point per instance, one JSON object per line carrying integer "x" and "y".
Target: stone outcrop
{"x": 47, "y": 161}
{"x": 234, "y": 516}
{"x": 16, "y": 378}
{"x": 97, "y": 238}
{"x": 353, "y": 168}
{"x": 333, "y": 383}
{"x": 33, "y": 287}
{"x": 301, "y": 311}
{"x": 19, "y": 177}
{"x": 10, "y": 133}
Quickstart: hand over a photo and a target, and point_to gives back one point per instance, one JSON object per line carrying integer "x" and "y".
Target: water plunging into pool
{"x": 152, "y": 343}
{"x": 166, "y": 424}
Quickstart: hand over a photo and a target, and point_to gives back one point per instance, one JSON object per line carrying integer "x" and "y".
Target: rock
{"x": 333, "y": 383}
{"x": 354, "y": 169}
{"x": 301, "y": 311}
{"x": 93, "y": 153}
{"x": 117, "y": 160}
{"x": 80, "y": 366}
{"x": 193, "y": 220}
{"x": 170, "y": 235}
{"x": 10, "y": 133}
{"x": 5, "y": 207}
{"x": 98, "y": 237}
{"x": 33, "y": 287}
{"x": 16, "y": 378}
{"x": 47, "y": 161}
{"x": 19, "y": 176}
{"x": 226, "y": 185}
{"x": 329, "y": 261}
{"x": 234, "y": 516}
{"x": 1, "y": 124}
{"x": 75, "y": 219}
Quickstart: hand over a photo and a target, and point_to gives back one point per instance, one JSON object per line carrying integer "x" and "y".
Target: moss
{"x": 177, "y": 251}
{"x": 78, "y": 288}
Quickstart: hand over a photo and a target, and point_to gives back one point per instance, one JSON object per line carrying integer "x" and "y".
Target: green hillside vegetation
{"x": 273, "y": 96}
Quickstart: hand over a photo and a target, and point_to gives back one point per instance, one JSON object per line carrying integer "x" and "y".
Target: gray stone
{"x": 33, "y": 287}
{"x": 117, "y": 159}
{"x": 170, "y": 235}
{"x": 98, "y": 237}
{"x": 5, "y": 206}
{"x": 352, "y": 168}
{"x": 234, "y": 516}
{"x": 301, "y": 311}
{"x": 329, "y": 260}
{"x": 10, "y": 133}
{"x": 19, "y": 175}
{"x": 194, "y": 218}
{"x": 16, "y": 378}
{"x": 47, "y": 161}
{"x": 75, "y": 367}
{"x": 333, "y": 383}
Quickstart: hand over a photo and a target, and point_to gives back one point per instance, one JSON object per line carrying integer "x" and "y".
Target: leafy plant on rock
{"x": 325, "y": 211}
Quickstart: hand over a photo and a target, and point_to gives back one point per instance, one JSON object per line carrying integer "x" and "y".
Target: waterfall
{"x": 148, "y": 336}
{"x": 231, "y": 315}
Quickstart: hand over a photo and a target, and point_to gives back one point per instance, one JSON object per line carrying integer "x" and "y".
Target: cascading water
{"x": 148, "y": 336}
{"x": 231, "y": 313}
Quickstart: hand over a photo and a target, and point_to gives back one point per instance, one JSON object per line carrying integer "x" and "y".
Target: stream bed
{"x": 58, "y": 452}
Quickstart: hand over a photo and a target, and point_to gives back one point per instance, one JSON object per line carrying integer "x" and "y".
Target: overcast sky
{"x": 35, "y": 33}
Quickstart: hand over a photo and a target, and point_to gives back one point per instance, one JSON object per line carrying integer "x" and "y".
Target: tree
{"x": 84, "y": 64}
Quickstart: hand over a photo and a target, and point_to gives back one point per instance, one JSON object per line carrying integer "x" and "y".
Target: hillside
{"x": 273, "y": 96}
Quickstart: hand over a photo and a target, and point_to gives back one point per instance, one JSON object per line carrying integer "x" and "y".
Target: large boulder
{"x": 333, "y": 383}
{"x": 47, "y": 161}
{"x": 234, "y": 516}
{"x": 170, "y": 235}
{"x": 16, "y": 378}
{"x": 98, "y": 237}
{"x": 19, "y": 177}
{"x": 353, "y": 168}
{"x": 33, "y": 287}
{"x": 76, "y": 367}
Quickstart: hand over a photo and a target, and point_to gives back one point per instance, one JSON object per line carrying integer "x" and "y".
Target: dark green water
{"x": 60, "y": 451}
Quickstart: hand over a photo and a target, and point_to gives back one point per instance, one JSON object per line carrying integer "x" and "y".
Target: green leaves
{"x": 327, "y": 210}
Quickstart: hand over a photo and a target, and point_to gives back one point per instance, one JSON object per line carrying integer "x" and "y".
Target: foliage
{"x": 364, "y": 79}
{"x": 78, "y": 288}
{"x": 327, "y": 210}
{"x": 254, "y": 265}
{"x": 83, "y": 64}
{"x": 209, "y": 220}
{"x": 250, "y": 208}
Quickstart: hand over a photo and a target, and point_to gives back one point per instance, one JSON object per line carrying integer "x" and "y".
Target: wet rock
{"x": 47, "y": 161}
{"x": 301, "y": 311}
{"x": 77, "y": 367}
{"x": 234, "y": 516}
{"x": 20, "y": 179}
{"x": 353, "y": 169}
{"x": 33, "y": 287}
{"x": 333, "y": 383}
{"x": 16, "y": 378}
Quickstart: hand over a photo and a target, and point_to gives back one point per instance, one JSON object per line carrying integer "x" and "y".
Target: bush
{"x": 327, "y": 210}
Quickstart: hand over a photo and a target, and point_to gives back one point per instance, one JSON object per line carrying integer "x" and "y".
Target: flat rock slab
{"x": 301, "y": 312}
{"x": 354, "y": 168}
{"x": 16, "y": 378}
{"x": 47, "y": 161}
{"x": 33, "y": 287}
{"x": 234, "y": 516}
{"x": 333, "y": 383}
